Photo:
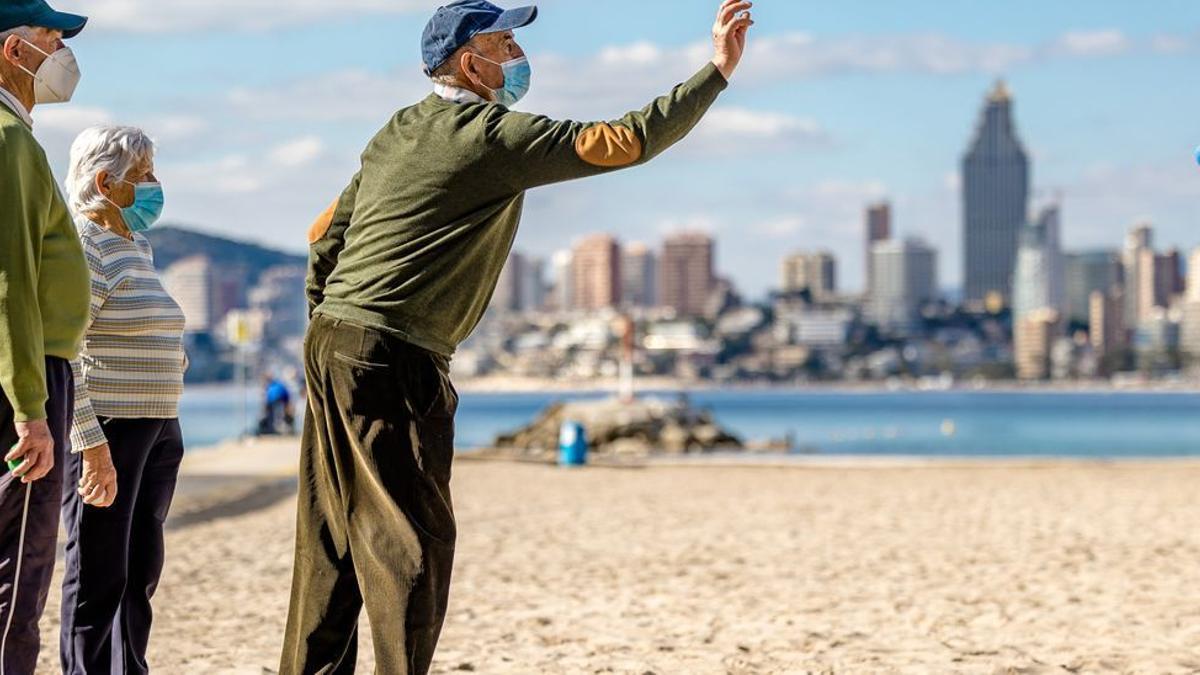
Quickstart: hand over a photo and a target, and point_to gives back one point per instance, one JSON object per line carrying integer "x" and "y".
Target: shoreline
{"x": 511, "y": 385}
{"x": 277, "y": 458}
{"x": 523, "y": 385}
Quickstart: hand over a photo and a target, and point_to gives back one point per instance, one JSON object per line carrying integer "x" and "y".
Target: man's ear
{"x": 466, "y": 66}
{"x": 9, "y": 49}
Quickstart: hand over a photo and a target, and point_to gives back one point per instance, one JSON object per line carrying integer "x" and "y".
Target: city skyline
{"x": 260, "y": 123}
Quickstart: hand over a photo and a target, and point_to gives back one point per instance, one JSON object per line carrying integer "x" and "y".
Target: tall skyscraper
{"x": 1107, "y": 329}
{"x": 995, "y": 197}
{"x": 507, "y": 296}
{"x": 812, "y": 272}
{"x": 686, "y": 272}
{"x": 1086, "y": 273}
{"x": 1190, "y": 328}
{"x": 639, "y": 276}
{"x": 563, "y": 298}
{"x": 1193, "y": 276}
{"x": 532, "y": 285}
{"x": 879, "y": 228}
{"x": 1153, "y": 279}
{"x": 1138, "y": 262}
{"x": 189, "y": 282}
{"x": 905, "y": 279}
{"x": 279, "y": 297}
{"x": 597, "y": 272}
{"x": 1038, "y": 279}
{"x": 1168, "y": 277}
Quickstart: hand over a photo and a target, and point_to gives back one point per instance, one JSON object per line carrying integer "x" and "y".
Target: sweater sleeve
{"x": 538, "y": 151}
{"x": 22, "y": 346}
{"x": 86, "y": 431}
{"x": 326, "y": 239}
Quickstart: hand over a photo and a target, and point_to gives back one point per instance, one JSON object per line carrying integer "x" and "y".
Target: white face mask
{"x": 57, "y": 77}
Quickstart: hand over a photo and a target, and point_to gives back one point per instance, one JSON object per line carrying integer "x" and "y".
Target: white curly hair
{"x": 115, "y": 149}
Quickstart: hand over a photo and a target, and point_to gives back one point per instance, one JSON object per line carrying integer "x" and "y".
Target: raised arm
{"x": 543, "y": 151}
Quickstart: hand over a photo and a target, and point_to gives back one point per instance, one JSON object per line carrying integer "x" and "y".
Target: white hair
{"x": 114, "y": 149}
{"x": 23, "y": 32}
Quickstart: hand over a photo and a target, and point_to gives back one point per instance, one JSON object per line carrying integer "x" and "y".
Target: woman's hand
{"x": 729, "y": 35}
{"x": 98, "y": 484}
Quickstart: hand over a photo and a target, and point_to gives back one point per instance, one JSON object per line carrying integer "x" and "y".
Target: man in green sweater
{"x": 402, "y": 267}
{"x": 44, "y": 295}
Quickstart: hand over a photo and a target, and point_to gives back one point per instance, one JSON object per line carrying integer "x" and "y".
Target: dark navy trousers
{"x": 114, "y": 556}
{"x": 29, "y": 527}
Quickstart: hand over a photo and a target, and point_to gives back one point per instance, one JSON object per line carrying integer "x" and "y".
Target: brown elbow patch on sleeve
{"x": 321, "y": 225}
{"x": 608, "y": 146}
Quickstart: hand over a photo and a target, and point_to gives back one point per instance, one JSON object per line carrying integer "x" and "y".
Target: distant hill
{"x": 172, "y": 243}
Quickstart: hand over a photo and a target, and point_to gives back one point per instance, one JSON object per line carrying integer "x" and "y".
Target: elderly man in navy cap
{"x": 402, "y": 266}
{"x": 44, "y": 293}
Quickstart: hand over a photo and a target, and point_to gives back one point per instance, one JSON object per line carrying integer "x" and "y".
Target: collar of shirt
{"x": 457, "y": 94}
{"x": 7, "y": 98}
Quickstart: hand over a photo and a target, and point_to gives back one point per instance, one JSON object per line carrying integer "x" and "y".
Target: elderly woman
{"x": 126, "y": 441}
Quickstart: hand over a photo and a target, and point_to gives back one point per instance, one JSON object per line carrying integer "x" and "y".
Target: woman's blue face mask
{"x": 517, "y": 76}
{"x": 146, "y": 208}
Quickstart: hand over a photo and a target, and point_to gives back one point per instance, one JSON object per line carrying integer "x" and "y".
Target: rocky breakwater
{"x": 619, "y": 429}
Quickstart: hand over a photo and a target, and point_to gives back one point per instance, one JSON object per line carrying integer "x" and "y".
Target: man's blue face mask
{"x": 517, "y": 76}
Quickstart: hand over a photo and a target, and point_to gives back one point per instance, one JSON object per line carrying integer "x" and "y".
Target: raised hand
{"x": 729, "y": 35}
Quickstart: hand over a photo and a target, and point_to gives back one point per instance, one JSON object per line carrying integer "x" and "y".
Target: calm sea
{"x": 902, "y": 423}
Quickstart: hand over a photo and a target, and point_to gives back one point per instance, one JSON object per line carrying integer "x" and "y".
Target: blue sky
{"x": 261, "y": 108}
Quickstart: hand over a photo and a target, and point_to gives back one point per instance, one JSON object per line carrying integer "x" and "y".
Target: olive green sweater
{"x": 44, "y": 281}
{"x": 415, "y": 245}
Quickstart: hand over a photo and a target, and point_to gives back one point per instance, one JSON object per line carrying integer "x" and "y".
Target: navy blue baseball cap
{"x": 455, "y": 24}
{"x": 38, "y": 14}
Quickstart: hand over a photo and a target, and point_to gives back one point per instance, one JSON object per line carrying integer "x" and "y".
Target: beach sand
{"x": 920, "y": 569}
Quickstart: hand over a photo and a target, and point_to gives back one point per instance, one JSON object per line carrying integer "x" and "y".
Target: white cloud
{"x": 56, "y": 127}
{"x": 804, "y": 56}
{"x": 340, "y": 96}
{"x": 784, "y": 227}
{"x": 298, "y": 152}
{"x": 68, "y": 119}
{"x": 736, "y": 131}
{"x": 172, "y": 128}
{"x": 162, "y": 16}
{"x": 746, "y": 123}
{"x": 856, "y": 192}
{"x": 625, "y": 77}
{"x": 1170, "y": 44}
{"x": 637, "y": 54}
{"x": 691, "y": 223}
{"x": 233, "y": 174}
{"x": 1108, "y": 42}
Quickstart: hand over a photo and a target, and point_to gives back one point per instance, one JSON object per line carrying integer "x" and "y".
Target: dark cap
{"x": 455, "y": 24}
{"x": 38, "y": 14}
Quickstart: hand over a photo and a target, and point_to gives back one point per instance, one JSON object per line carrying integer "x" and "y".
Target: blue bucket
{"x": 572, "y": 445}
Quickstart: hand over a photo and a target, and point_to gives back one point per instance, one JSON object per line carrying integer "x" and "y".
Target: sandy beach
{"x": 847, "y": 568}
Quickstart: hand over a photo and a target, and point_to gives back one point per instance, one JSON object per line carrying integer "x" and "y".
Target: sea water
{"x": 843, "y": 423}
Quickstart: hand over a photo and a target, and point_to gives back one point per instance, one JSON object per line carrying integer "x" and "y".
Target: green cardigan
{"x": 44, "y": 281}
{"x": 416, "y": 243}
